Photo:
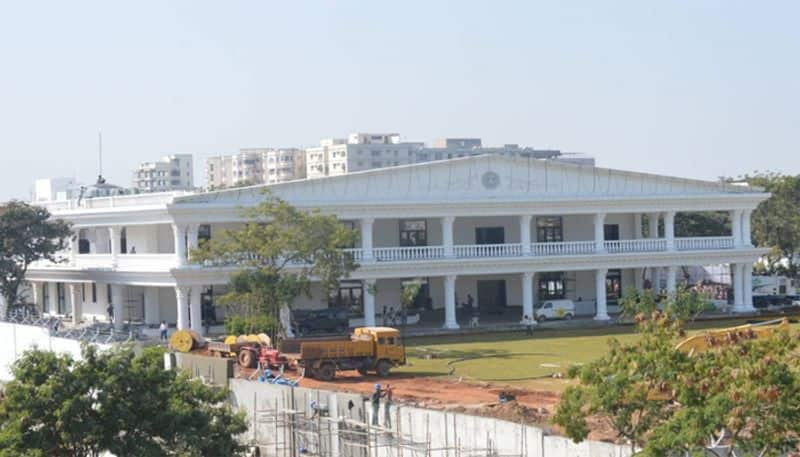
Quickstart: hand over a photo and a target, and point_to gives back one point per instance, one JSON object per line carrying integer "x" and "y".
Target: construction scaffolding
{"x": 285, "y": 432}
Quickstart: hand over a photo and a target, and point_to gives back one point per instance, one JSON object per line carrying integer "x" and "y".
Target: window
{"x": 551, "y": 286}
{"x": 490, "y": 235}
{"x": 123, "y": 241}
{"x": 108, "y": 293}
{"x": 390, "y": 340}
{"x": 413, "y": 233}
{"x": 203, "y": 232}
{"x": 83, "y": 292}
{"x": 61, "y": 298}
{"x": 381, "y": 340}
{"x": 94, "y": 292}
{"x": 348, "y": 296}
{"x": 613, "y": 285}
{"x": 611, "y": 232}
{"x": 549, "y": 229}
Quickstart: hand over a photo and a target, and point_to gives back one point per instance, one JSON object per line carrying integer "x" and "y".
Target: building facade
{"x": 506, "y": 231}
{"x": 253, "y": 166}
{"x": 173, "y": 172}
{"x": 360, "y": 151}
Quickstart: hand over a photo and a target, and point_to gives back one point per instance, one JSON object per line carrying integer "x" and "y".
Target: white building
{"x": 360, "y": 151}
{"x": 255, "y": 166}
{"x": 506, "y": 230}
{"x": 55, "y": 189}
{"x": 453, "y": 148}
{"x": 173, "y": 172}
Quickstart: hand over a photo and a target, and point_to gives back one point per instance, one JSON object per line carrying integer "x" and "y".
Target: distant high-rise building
{"x": 360, "y": 151}
{"x": 255, "y": 166}
{"x": 173, "y": 172}
{"x": 55, "y": 189}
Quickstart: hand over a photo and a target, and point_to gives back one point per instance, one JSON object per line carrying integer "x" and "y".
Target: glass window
{"x": 45, "y": 297}
{"x": 413, "y": 232}
{"x": 390, "y": 340}
{"x": 348, "y": 296}
{"x": 61, "y": 297}
{"x": 94, "y": 292}
{"x": 613, "y": 285}
{"x": 381, "y": 340}
{"x": 108, "y": 293}
{"x": 204, "y": 232}
{"x": 549, "y": 229}
{"x": 551, "y": 286}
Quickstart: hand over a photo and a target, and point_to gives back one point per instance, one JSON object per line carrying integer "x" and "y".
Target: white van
{"x": 554, "y": 309}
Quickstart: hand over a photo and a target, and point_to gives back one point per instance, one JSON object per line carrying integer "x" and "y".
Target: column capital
{"x": 528, "y": 275}
{"x": 367, "y": 220}
{"x": 526, "y": 217}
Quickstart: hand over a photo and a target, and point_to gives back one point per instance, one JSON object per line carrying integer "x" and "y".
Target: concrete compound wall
{"x": 437, "y": 433}
{"x": 15, "y": 339}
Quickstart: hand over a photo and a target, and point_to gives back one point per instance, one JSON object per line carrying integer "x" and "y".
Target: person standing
{"x": 110, "y": 312}
{"x": 376, "y": 403}
{"x": 387, "y": 407}
{"x": 163, "y": 329}
{"x": 528, "y": 322}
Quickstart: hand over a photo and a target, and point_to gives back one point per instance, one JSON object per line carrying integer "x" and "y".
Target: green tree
{"x": 27, "y": 234}
{"x": 280, "y": 250}
{"x": 776, "y": 221}
{"x": 706, "y": 223}
{"x": 115, "y": 402}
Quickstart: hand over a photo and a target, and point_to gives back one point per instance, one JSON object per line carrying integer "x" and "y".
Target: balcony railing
{"x": 149, "y": 262}
{"x": 704, "y": 243}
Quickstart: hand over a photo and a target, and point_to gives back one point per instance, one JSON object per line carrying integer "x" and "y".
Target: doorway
{"x": 492, "y": 295}
{"x": 611, "y": 232}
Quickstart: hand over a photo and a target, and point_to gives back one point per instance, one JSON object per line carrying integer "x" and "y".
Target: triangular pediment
{"x": 479, "y": 178}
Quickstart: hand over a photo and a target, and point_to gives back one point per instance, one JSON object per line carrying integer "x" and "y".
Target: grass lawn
{"x": 515, "y": 359}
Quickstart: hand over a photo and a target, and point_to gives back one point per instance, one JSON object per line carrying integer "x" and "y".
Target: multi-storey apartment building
{"x": 452, "y": 148}
{"x": 255, "y": 166}
{"x": 360, "y": 151}
{"x": 173, "y": 172}
{"x": 507, "y": 231}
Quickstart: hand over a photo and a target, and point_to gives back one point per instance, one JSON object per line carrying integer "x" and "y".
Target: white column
{"x": 195, "y": 311}
{"x": 638, "y": 280}
{"x": 178, "y": 233}
{"x": 669, "y": 229}
{"x": 366, "y": 238}
{"x": 113, "y": 235}
{"x": 525, "y": 233}
{"x": 447, "y": 235}
{"x": 599, "y": 233}
{"x": 637, "y": 226}
{"x": 73, "y": 247}
{"x": 118, "y": 302}
{"x": 736, "y": 227}
{"x": 527, "y": 294}
{"x": 75, "y": 299}
{"x": 600, "y": 294}
{"x": 746, "y": 241}
{"x": 182, "y": 299}
{"x": 35, "y": 294}
{"x": 738, "y": 286}
{"x": 151, "y": 313}
{"x": 369, "y": 302}
{"x": 450, "y": 321}
{"x": 652, "y": 225}
{"x": 191, "y": 239}
{"x": 747, "y": 286}
{"x": 672, "y": 272}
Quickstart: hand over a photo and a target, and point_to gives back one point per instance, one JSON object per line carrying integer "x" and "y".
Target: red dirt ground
{"x": 481, "y": 399}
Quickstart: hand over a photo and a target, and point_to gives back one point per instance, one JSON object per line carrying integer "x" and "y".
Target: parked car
{"x": 554, "y": 309}
{"x": 330, "y": 320}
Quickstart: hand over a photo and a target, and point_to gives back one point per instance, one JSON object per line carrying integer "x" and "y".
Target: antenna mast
{"x": 100, "y": 148}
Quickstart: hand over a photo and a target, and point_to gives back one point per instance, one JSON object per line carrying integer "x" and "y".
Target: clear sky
{"x": 689, "y": 88}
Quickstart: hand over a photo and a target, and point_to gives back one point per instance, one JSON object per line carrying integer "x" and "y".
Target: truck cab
{"x": 388, "y": 345}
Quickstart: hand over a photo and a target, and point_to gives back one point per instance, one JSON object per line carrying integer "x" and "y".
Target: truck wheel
{"x": 568, "y": 316}
{"x": 246, "y": 358}
{"x": 325, "y": 372}
{"x": 383, "y": 367}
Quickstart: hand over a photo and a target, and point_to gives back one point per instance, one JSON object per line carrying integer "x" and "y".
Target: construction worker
{"x": 376, "y": 403}
{"x": 387, "y": 407}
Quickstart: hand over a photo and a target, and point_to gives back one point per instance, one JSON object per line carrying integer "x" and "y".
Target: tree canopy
{"x": 664, "y": 401}
{"x": 776, "y": 221}
{"x": 27, "y": 234}
{"x": 280, "y": 249}
{"x": 112, "y": 401}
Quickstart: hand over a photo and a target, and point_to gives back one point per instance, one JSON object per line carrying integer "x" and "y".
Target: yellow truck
{"x": 368, "y": 349}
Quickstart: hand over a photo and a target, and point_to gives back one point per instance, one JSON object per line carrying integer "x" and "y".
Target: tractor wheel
{"x": 383, "y": 367}
{"x": 326, "y": 372}
{"x": 247, "y": 359}
{"x": 362, "y": 371}
{"x": 568, "y": 316}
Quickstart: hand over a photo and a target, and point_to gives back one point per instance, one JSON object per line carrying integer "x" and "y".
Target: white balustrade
{"x": 396, "y": 254}
{"x": 564, "y": 248}
{"x": 93, "y": 260}
{"x": 146, "y": 262}
{"x": 704, "y": 243}
{"x": 641, "y": 245}
{"x": 488, "y": 250}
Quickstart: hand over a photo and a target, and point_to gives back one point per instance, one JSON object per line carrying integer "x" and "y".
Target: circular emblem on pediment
{"x": 490, "y": 180}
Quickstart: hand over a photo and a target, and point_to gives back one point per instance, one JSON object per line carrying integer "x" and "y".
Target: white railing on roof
{"x": 115, "y": 201}
{"x": 488, "y": 250}
{"x": 404, "y": 253}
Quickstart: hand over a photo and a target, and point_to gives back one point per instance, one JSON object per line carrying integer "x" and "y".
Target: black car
{"x": 331, "y": 320}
